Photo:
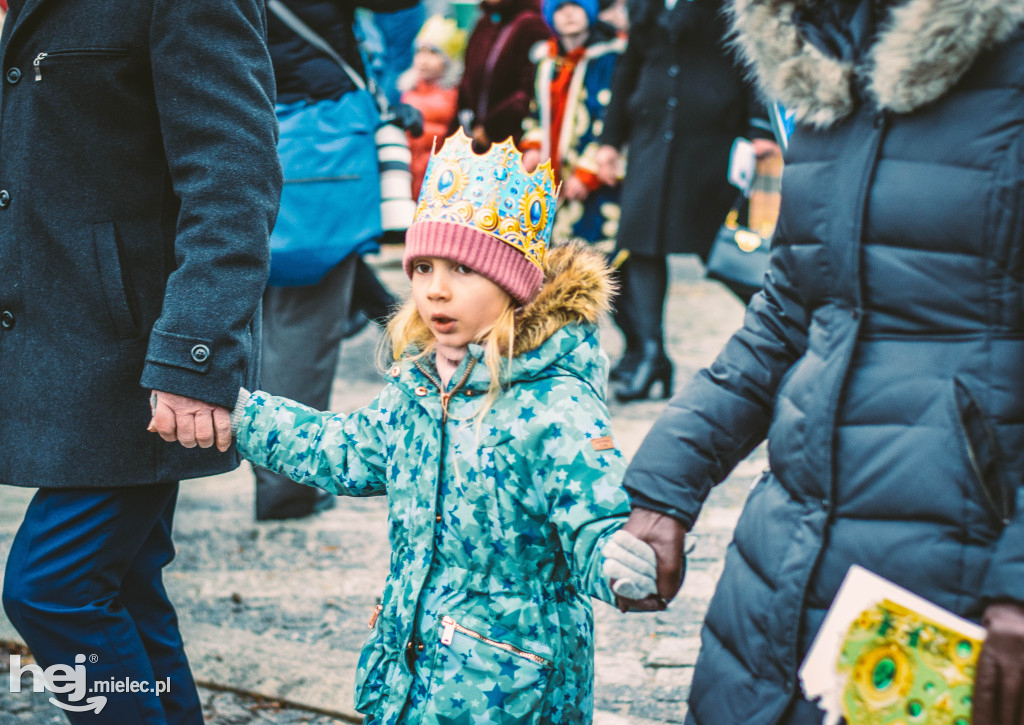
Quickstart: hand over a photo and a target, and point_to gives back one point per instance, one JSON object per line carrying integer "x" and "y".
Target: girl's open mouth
{"x": 442, "y": 324}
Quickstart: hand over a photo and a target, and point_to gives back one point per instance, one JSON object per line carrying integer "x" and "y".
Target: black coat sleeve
{"x": 724, "y": 412}
{"x": 214, "y": 89}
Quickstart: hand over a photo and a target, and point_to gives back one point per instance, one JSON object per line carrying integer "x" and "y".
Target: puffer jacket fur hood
{"x": 577, "y": 288}
{"x": 923, "y": 49}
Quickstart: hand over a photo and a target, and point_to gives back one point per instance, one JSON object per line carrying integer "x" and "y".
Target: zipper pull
{"x": 449, "y": 631}
{"x": 376, "y": 613}
{"x": 35, "y": 64}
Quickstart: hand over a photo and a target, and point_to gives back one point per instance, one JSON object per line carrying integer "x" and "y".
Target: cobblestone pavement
{"x": 279, "y": 609}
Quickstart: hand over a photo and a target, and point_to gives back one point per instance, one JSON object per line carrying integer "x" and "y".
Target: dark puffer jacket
{"x": 883, "y": 360}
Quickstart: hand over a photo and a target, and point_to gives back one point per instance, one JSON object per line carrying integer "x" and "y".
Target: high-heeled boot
{"x": 626, "y": 366}
{"x": 653, "y": 367}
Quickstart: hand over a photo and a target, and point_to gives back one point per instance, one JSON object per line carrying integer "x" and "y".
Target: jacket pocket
{"x": 981, "y": 450}
{"x": 115, "y": 292}
{"x": 370, "y": 670}
{"x": 48, "y": 58}
{"x": 488, "y": 674}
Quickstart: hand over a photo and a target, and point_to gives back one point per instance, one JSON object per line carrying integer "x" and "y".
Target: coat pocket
{"x": 115, "y": 292}
{"x": 481, "y": 671}
{"x": 371, "y": 669}
{"x": 981, "y": 449}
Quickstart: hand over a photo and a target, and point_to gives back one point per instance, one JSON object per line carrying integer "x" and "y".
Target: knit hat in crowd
{"x": 444, "y": 36}
{"x": 549, "y": 7}
{"x": 486, "y": 212}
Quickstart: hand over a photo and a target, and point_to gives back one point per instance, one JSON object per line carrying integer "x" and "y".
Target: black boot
{"x": 653, "y": 367}
{"x": 626, "y": 366}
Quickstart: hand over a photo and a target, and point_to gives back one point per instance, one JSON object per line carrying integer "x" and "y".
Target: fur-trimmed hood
{"x": 577, "y": 288}
{"x": 922, "y": 48}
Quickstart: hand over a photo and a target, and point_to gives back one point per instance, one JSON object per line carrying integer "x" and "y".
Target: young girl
{"x": 493, "y": 444}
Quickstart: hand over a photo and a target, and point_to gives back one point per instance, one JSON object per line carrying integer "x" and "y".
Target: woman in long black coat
{"x": 883, "y": 359}
{"x": 678, "y": 102}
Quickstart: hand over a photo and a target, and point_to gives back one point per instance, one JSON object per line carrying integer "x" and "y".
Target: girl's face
{"x": 456, "y": 303}
{"x": 570, "y": 19}
{"x": 429, "y": 64}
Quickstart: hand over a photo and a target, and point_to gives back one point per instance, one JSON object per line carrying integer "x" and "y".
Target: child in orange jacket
{"x": 431, "y": 86}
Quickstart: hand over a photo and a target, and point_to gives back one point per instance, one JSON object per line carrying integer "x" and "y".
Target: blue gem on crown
{"x": 492, "y": 193}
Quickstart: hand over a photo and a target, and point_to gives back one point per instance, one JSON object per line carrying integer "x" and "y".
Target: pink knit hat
{"x": 499, "y": 262}
{"x": 486, "y": 212}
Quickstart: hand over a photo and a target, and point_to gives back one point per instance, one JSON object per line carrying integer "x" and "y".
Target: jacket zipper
{"x": 450, "y": 627}
{"x": 376, "y": 613}
{"x": 445, "y": 397}
{"x": 103, "y": 52}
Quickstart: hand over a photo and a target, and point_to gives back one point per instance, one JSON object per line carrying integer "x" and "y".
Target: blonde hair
{"x": 407, "y": 329}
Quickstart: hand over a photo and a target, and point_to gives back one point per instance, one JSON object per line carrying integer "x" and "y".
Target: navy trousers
{"x": 84, "y": 577}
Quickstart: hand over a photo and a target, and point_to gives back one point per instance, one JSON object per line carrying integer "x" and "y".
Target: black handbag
{"x": 739, "y": 255}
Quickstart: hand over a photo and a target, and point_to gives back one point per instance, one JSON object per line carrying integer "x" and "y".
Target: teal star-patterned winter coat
{"x": 496, "y": 527}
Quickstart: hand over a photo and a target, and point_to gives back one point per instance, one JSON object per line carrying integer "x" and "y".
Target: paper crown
{"x": 491, "y": 193}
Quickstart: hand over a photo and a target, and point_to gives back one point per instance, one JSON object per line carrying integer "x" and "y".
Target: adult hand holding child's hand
{"x": 190, "y": 422}
{"x": 664, "y": 536}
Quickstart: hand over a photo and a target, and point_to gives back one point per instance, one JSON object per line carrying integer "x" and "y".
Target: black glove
{"x": 406, "y": 117}
{"x": 997, "y": 685}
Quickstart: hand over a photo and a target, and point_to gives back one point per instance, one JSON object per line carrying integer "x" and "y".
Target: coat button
{"x": 420, "y": 391}
{"x": 669, "y": 136}
{"x": 825, "y": 503}
{"x": 13, "y": 75}
{"x": 5, "y": 198}
{"x": 6, "y": 320}
{"x": 394, "y": 371}
{"x": 673, "y": 71}
{"x": 672, "y": 102}
{"x": 200, "y": 353}
{"x": 438, "y": 518}
{"x": 419, "y": 647}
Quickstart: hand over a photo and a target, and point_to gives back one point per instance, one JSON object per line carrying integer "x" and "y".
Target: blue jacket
{"x": 496, "y": 529}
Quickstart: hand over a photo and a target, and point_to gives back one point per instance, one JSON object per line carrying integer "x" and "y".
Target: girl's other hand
{"x": 632, "y": 567}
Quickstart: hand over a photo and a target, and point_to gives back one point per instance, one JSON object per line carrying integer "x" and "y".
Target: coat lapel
{"x": 27, "y": 9}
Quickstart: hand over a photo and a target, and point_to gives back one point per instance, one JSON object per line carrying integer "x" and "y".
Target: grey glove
{"x": 631, "y": 565}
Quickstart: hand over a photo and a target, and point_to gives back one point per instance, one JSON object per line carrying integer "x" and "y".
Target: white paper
{"x": 860, "y": 590}
{"x": 742, "y": 165}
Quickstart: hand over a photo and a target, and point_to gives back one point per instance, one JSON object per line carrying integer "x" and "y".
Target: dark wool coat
{"x": 304, "y": 73}
{"x": 882, "y": 360}
{"x": 138, "y": 185}
{"x": 499, "y": 95}
{"x": 678, "y": 102}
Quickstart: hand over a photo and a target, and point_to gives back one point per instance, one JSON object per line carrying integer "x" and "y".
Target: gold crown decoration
{"x": 491, "y": 193}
